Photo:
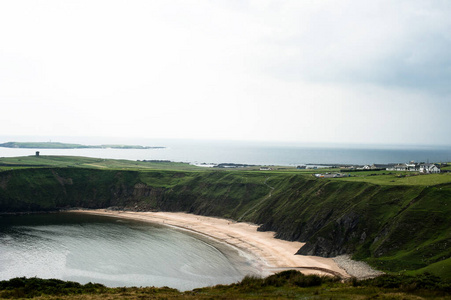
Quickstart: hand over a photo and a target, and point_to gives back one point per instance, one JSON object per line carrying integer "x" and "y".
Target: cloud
{"x": 318, "y": 71}
{"x": 402, "y": 44}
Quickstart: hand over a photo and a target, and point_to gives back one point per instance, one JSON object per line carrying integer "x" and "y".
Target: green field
{"x": 375, "y": 177}
{"x": 87, "y": 162}
{"x": 400, "y": 178}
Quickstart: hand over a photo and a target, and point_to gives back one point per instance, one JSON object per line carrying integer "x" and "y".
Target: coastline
{"x": 269, "y": 255}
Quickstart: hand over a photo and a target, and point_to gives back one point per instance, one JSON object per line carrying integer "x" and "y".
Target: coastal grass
{"x": 400, "y": 178}
{"x": 32, "y": 161}
{"x": 92, "y": 163}
{"x": 379, "y": 177}
{"x": 284, "y": 285}
{"x": 440, "y": 268}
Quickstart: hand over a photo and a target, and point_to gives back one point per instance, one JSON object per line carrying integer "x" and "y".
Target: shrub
{"x": 425, "y": 281}
{"x": 33, "y": 287}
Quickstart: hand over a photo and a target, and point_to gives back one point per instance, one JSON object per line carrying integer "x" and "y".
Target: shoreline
{"x": 270, "y": 255}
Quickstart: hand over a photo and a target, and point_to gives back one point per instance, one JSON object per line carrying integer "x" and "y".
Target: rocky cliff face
{"x": 339, "y": 239}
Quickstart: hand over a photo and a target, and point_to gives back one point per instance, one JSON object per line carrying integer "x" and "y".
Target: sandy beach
{"x": 272, "y": 255}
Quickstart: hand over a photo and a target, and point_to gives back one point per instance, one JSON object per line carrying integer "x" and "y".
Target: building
{"x": 412, "y": 166}
{"x": 429, "y": 169}
{"x": 381, "y": 166}
{"x": 265, "y": 169}
{"x": 399, "y": 167}
{"x": 415, "y": 167}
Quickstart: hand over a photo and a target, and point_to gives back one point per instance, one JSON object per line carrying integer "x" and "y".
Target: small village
{"x": 422, "y": 168}
{"x": 425, "y": 168}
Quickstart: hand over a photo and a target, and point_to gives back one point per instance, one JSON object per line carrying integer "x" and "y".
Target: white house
{"x": 414, "y": 167}
{"x": 400, "y": 167}
{"x": 429, "y": 169}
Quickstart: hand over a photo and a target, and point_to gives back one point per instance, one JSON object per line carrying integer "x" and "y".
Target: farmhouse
{"x": 378, "y": 167}
{"x": 398, "y": 167}
{"x": 415, "y": 167}
{"x": 429, "y": 169}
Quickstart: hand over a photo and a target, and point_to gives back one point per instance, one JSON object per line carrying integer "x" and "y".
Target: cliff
{"x": 392, "y": 227}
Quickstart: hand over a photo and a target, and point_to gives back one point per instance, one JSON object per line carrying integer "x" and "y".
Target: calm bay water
{"x": 252, "y": 153}
{"x": 114, "y": 252}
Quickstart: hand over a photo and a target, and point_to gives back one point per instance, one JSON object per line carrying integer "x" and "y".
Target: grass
{"x": 380, "y": 177}
{"x": 284, "y": 285}
{"x": 440, "y": 268}
{"x": 374, "y": 177}
{"x": 397, "y": 178}
{"x": 92, "y": 163}
{"x": 86, "y": 162}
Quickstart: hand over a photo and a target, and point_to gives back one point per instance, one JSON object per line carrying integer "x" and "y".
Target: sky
{"x": 350, "y": 72}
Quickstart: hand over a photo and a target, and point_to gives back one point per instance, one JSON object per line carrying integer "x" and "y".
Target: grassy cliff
{"x": 393, "y": 227}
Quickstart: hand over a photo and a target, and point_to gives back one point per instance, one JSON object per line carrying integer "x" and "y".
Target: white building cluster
{"x": 416, "y": 167}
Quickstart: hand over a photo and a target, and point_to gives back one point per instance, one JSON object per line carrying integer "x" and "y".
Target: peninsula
{"x": 56, "y": 145}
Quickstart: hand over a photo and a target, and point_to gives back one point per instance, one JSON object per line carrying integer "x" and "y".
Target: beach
{"x": 270, "y": 255}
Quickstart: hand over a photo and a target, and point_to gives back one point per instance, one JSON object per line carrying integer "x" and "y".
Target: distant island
{"x": 55, "y": 145}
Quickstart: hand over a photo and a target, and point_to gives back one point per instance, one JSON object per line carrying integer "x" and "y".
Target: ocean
{"x": 253, "y": 153}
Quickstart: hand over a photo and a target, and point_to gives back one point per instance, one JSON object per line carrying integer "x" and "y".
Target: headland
{"x": 57, "y": 145}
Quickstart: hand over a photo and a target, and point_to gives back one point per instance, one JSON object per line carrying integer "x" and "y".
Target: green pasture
{"x": 381, "y": 177}
{"x": 91, "y": 163}
{"x": 399, "y": 178}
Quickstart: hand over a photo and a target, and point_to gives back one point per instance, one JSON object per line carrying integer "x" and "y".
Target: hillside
{"x": 393, "y": 227}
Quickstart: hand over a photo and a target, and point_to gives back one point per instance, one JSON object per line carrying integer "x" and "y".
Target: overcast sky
{"x": 301, "y": 71}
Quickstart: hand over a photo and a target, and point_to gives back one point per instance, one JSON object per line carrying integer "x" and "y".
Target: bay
{"x": 114, "y": 252}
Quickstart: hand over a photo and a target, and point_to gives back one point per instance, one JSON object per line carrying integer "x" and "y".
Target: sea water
{"x": 114, "y": 252}
{"x": 256, "y": 153}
